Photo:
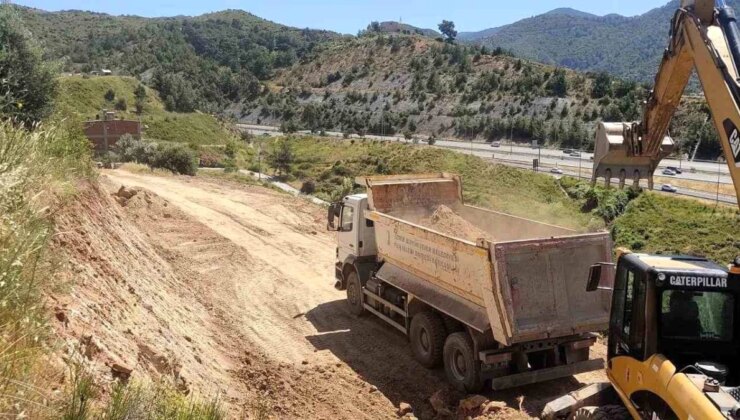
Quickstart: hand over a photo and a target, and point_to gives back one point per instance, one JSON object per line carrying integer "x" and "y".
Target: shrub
{"x": 131, "y": 150}
{"x": 121, "y": 104}
{"x": 211, "y": 159}
{"x": 174, "y": 158}
{"x": 308, "y": 187}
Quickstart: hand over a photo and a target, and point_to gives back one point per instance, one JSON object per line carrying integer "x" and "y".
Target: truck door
{"x": 347, "y": 231}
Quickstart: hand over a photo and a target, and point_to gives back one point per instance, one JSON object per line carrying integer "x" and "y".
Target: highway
{"x": 522, "y": 156}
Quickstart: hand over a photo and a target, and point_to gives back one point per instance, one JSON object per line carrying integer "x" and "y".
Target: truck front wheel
{"x": 427, "y": 335}
{"x": 354, "y": 294}
{"x": 461, "y": 365}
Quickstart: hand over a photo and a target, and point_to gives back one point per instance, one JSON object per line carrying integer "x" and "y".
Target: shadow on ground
{"x": 381, "y": 356}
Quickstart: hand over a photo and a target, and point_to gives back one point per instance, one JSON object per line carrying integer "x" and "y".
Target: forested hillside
{"x": 628, "y": 47}
{"x": 201, "y": 63}
{"x": 388, "y": 80}
{"x": 409, "y": 85}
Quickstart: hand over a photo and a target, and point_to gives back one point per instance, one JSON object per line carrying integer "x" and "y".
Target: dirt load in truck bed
{"x": 445, "y": 220}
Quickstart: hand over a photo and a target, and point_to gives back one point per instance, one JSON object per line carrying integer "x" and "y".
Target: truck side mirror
{"x": 600, "y": 277}
{"x": 335, "y": 210}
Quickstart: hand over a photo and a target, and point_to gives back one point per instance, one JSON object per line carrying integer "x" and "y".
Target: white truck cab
{"x": 355, "y": 233}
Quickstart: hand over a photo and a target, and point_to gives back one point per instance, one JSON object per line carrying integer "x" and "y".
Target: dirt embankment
{"x": 227, "y": 289}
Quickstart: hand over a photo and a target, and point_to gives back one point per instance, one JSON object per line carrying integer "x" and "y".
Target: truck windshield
{"x": 690, "y": 315}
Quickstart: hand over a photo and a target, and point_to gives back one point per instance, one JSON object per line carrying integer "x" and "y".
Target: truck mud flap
{"x": 548, "y": 374}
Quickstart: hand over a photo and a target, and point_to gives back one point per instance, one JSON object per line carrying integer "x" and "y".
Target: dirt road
{"x": 265, "y": 265}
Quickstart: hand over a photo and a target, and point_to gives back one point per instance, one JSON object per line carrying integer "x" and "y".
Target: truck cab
{"x": 355, "y": 235}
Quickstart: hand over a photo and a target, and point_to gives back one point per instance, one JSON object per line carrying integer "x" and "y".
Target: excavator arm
{"x": 704, "y": 38}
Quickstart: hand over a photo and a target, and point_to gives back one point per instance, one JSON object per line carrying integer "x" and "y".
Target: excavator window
{"x": 628, "y": 320}
{"x": 692, "y": 315}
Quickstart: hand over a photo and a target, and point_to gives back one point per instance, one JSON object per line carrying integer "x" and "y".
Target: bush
{"x": 211, "y": 159}
{"x": 131, "y": 150}
{"x": 174, "y": 158}
{"x": 308, "y": 187}
{"x": 121, "y": 104}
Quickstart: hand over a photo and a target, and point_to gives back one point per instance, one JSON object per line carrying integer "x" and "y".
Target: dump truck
{"x": 492, "y": 297}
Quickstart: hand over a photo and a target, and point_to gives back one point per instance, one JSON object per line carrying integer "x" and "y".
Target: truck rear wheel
{"x": 354, "y": 294}
{"x": 461, "y": 365}
{"x": 427, "y": 335}
{"x": 607, "y": 412}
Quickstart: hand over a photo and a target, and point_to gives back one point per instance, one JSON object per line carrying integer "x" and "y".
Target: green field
{"x": 85, "y": 97}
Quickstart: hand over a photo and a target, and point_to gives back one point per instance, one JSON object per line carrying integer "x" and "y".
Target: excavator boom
{"x": 704, "y": 38}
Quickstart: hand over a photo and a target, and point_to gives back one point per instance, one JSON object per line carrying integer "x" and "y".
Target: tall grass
{"x": 135, "y": 401}
{"x": 37, "y": 168}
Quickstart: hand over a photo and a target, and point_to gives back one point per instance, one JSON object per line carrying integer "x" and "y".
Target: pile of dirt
{"x": 446, "y": 221}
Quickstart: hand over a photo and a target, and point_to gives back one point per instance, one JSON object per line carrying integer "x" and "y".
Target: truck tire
{"x": 607, "y": 412}
{"x": 354, "y": 294}
{"x": 427, "y": 335}
{"x": 461, "y": 365}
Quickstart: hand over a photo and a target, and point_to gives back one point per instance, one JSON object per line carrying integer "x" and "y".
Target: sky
{"x": 348, "y": 16}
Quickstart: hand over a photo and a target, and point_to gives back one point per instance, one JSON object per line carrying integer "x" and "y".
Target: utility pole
{"x": 511, "y": 140}
{"x": 259, "y": 162}
{"x": 719, "y": 174}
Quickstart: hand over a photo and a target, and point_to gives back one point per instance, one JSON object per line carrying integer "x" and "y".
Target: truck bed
{"x": 530, "y": 279}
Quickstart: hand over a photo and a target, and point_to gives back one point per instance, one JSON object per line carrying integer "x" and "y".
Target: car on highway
{"x": 669, "y": 188}
{"x": 575, "y": 154}
{"x": 567, "y": 151}
{"x": 669, "y": 172}
{"x": 496, "y": 144}
{"x": 675, "y": 169}
{"x": 556, "y": 171}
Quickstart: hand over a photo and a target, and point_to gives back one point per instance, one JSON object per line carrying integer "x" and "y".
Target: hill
{"x": 85, "y": 97}
{"x": 382, "y": 84}
{"x": 199, "y": 62}
{"x": 627, "y": 47}
{"x": 413, "y": 85}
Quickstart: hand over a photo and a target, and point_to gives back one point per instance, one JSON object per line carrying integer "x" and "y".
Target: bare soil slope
{"x": 228, "y": 288}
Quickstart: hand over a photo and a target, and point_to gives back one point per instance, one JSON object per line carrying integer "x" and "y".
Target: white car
{"x": 556, "y": 171}
{"x": 669, "y": 172}
{"x": 496, "y": 144}
{"x": 668, "y": 188}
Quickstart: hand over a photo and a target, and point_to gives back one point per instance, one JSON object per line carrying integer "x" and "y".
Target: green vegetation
{"x": 37, "y": 169}
{"x": 448, "y": 30}
{"x": 135, "y": 401}
{"x": 628, "y": 47}
{"x": 87, "y": 96}
{"x": 26, "y": 83}
{"x": 331, "y": 164}
{"x": 204, "y": 62}
{"x": 654, "y": 223}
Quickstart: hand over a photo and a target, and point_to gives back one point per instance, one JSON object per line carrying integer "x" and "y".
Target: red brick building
{"x": 105, "y": 133}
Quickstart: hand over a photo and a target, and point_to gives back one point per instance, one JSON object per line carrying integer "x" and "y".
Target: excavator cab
{"x": 673, "y": 343}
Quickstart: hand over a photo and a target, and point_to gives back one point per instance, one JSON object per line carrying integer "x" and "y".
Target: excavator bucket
{"x": 618, "y": 155}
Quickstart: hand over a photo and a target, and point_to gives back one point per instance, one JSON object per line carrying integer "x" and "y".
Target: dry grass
{"x": 724, "y": 189}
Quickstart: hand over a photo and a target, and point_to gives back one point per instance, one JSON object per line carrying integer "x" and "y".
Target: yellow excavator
{"x": 673, "y": 347}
